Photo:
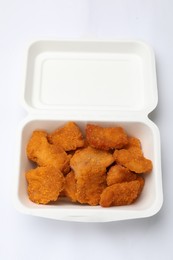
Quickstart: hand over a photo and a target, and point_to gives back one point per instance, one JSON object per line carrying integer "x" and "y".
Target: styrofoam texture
{"x": 108, "y": 83}
{"x": 89, "y": 76}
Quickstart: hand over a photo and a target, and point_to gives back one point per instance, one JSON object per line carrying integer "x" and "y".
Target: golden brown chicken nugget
{"x": 134, "y": 146}
{"x": 133, "y": 142}
{"x": 45, "y": 154}
{"x": 90, "y": 160}
{"x": 120, "y": 194}
{"x": 90, "y": 185}
{"x": 44, "y": 184}
{"x": 69, "y": 137}
{"x": 89, "y": 165}
{"x": 70, "y": 186}
{"x": 118, "y": 173}
{"x": 106, "y": 138}
{"x": 37, "y": 140}
{"x": 132, "y": 157}
{"x": 135, "y": 163}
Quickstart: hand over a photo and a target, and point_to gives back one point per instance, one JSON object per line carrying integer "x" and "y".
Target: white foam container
{"x": 102, "y": 82}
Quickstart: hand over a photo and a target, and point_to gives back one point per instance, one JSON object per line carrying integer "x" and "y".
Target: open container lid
{"x": 90, "y": 76}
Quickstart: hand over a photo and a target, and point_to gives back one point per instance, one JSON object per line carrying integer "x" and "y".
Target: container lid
{"x": 90, "y": 75}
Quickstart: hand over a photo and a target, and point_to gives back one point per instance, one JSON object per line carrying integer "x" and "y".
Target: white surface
{"x": 25, "y": 237}
{"x": 97, "y": 75}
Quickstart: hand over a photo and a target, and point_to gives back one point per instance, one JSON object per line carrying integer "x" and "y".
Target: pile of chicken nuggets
{"x": 103, "y": 167}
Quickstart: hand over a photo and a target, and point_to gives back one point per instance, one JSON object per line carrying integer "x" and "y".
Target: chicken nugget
{"x": 138, "y": 164}
{"x": 132, "y": 157}
{"x": 120, "y": 194}
{"x": 45, "y": 154}
{"x": 90, "y": 160}
{"x": 106, "y": 138}
{"x": 69, "y": 137}
{"x": 44, "y": 184}
{"x": 89, "y": 165}
{"x": 118, "y": 173}
{"x": 134, "y": 146}
{"x": 90, "y": 185}
{"x": 70, "y": 186}
{"x": 133, "y": 142}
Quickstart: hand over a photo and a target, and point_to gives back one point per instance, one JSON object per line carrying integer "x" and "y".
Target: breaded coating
{"x": 45, "y": 154}
{"x": 120, "y": 194}
{"x": 90, "y": 160}
{"x": 132, "y": 157}
{"x": 118, "y": 173}
{"x": 69, "y": 137}
{"x": 66, "y": 167}
{"x": 133, "y": 142}
{"x": 106, "y": 138}
{"x": 70, "y": 186}
{"x": 90, "y": 185}
{"x": 134, "y": 146}
{"x": 44, "y": 184}
{"x": 89, "y": 165}
{"x": 86, "y": 144}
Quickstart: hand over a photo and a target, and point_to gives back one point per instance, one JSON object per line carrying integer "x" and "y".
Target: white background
{"x": 26, "y": 237}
